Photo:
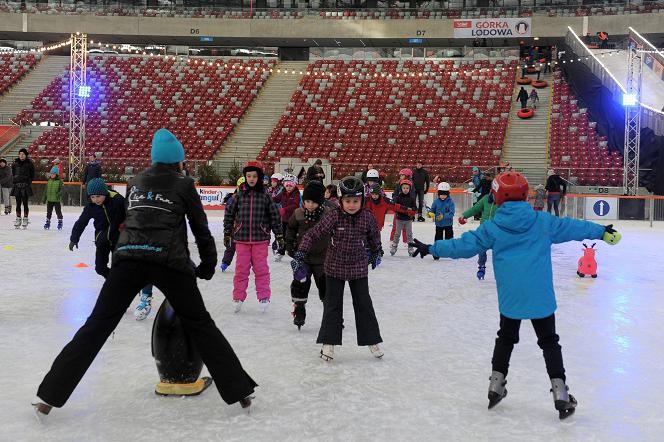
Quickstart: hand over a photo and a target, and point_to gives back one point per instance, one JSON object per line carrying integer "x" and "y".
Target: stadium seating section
{"x": 132, "y": 96}
{"x": 575, "y": 149}
{"x": 450, "y": 115}
{"x": 13, "y": 67}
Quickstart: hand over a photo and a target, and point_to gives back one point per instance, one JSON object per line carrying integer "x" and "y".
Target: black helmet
{"x": 351, "y": 186}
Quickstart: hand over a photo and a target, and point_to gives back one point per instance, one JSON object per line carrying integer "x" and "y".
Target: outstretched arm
{"x": 568, "y": 229}
{"x": 468, "y": 245}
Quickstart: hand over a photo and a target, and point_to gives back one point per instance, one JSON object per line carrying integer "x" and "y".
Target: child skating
{"x": 304, "y": 219}
{"x": 53, "y": 198}
{"x": 442, "y": 212}
{"x": 406, "y": 209}
{"x": 354, "y": 245}
{"x": 539, "y": 197}
{"x": 288, "y": 201}
{"x": 521, "y": 241}
{"x": 486, "y": 209}
{"x": 153, "y": 249}
{"x": 248, "y": 221}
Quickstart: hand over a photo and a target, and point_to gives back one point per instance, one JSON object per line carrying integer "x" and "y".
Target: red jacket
{"x": 289, "y": 202}
{"x": 378, "y": 208}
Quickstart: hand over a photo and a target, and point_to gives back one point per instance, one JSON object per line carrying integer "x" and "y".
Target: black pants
{"x": 420, "y": 201}
{"x": 49, "y": 210}
{"x": 120, "y": 288}
{"x": 102, "y": 256}
{"x": 547, "y": 339}
{"x": 446, "y": 232}
{"x": 524, "y": 104}
{"x": 300, "y": 290}
{"x": 22, "y": 200}
{"x": 547, "y": 66}
{"x": 275, "y": 247}
{"x": 333, "y": 305}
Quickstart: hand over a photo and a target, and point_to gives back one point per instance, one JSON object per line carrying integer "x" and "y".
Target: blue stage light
{"x": 629, "y": 99}
{"x": 84, "y": 91}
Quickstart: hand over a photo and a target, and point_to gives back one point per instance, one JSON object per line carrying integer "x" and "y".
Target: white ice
{"x": 438, "y": 323}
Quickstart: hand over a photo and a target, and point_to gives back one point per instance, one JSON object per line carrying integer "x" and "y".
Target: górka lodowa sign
{"x": 492, "y": 28}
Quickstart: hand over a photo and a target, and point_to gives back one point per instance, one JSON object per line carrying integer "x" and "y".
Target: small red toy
{"x": 587, "y": 263}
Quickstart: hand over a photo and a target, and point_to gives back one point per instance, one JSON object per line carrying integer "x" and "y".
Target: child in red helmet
{"x": 247, "y": 222}
{"x": 521, "y": 241}
{"x": 406, "y": 207}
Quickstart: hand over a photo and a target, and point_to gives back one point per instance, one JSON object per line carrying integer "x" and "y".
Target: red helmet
{"x": 253, "y": 164}
{"x": 405, "y": 181}
{"x": 509, "y": 186}
{"x": 406, "y": 172}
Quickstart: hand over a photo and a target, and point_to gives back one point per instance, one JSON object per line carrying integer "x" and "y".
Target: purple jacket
{"x": 351, "y": 237}
{"x": 250, "y": 217}
{"x": 289, "y": 202}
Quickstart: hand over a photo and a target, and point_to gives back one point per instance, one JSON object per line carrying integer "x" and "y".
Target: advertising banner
{"x": 211, "y": 197}
{"x": 493, "y": 28}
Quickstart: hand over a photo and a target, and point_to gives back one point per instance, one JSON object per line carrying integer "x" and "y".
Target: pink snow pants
{"x": 248, "y": 256}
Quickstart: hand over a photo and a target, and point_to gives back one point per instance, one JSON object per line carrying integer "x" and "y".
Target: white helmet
{"x": 289, "y": 178}
{"x": 372, "y": 173}
{"x": 443, "y": 187}
{"x": 277, "y": 176}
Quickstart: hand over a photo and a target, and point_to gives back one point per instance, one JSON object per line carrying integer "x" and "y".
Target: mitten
{"x": 611, "y": 236}
{"x": 420, "y": 248}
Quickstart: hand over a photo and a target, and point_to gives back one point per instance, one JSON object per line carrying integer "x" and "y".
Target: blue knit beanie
{"x": 55, "y": 170}
{"x": 166, "y": 148}
{"x": 97, "y": 186}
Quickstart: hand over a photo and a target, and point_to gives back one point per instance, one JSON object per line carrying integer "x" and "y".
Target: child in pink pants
{"x": 247, "y": 222}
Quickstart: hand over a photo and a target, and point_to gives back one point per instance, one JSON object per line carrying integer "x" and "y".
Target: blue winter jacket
{"x": 521, "y": 242}
{"x": 445, "y": 208}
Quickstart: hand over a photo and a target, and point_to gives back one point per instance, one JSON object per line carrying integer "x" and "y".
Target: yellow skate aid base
{"x": 192, "y": 389}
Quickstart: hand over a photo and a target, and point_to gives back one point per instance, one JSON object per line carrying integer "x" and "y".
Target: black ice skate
{"x": 59, "y": 224}
{"x": 497, "y": 390}
{"x": 41, "y": 409}
{"x": 481, "y": 271}
{"x": 299, "y": 314}
{"x": 246, "y": 403}
{"x": 564, "y": 402}
{"x": 47, "y": 224}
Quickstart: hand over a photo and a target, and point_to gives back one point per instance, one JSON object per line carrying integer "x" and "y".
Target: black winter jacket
{"x": 107, "y": 219}
{"x": 298, "y": 225}
{"x": 421, "y": 179}
{"x": 406, "y": 201}
{"x": 251, "y": 216}
{"x": 158, "y": 200}
{"x": 555, "y": 184}
{"x": 6, "y": 179}
{"x": 23, "y": 173}
{"x": 92, "y": 170}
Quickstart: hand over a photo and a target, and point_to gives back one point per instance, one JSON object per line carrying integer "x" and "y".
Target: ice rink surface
{"x": 438, "y": 323}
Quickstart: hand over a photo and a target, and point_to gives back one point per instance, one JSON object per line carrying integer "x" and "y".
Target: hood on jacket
{"x": 515, "y": 216}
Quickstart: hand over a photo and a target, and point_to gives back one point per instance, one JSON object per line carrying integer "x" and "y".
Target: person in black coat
{"x": 421, "y": 183}
{"x": 523, "y": 98}
{"x": 23, "y": 173}
{"x": 556, "y": 188}
{"x": 153, "y": 249}
{"x": 92, "y": 170}
{"x": 107, "y": 209}
{"x": 315, "y": 172}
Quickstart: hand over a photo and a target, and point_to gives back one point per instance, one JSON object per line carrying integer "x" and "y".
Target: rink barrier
{"x": 580, "y": 206}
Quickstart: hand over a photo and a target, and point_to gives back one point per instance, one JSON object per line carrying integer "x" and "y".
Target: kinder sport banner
{"x": 492, "y": 28}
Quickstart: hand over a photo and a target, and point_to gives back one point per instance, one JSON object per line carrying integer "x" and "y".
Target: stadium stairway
{"x": 255, "y": 127}
{"x": 20, "y": 97}
{"x": 527, "y": 139}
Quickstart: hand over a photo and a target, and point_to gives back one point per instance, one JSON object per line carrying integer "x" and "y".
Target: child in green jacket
{"x": 486, "y": 208}
{"x": 52, "y": 197}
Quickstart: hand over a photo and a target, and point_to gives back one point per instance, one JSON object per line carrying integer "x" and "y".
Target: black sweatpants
{"x": 22, "y": 201}
{"x": 420, "y": 200}
{"x": 333, "y": 305}
{"x": 446, "y": 232}
{"x": 102, "y": 256}
{"x": 300, "y": 290}
{"x": 49, "y": 210}
{"x": 123, "y": 283}
{"x": 547, "y": 339}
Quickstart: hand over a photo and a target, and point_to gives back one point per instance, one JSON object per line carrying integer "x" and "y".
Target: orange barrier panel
{"x": 7, "y": 133}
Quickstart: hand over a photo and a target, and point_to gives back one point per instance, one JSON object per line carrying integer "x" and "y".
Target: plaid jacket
{"x": 351, "y": 237}
{"x": 250, "y": 217}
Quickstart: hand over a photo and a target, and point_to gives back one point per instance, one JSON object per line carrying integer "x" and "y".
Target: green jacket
{"x": 53, "y": 192}
{"x": 483, "y": 206}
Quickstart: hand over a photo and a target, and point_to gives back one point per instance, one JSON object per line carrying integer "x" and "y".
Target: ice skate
{"x": 393, "y": 250}
{"x": 41, "y": 409}
{"x": 278, "y": 257}
{"x": 420, "y": 219}
{"x": 299, "y": 314}
{"x": 263, "y": 304}
{"x": 246, "y": 403}
{"x": 376, "y": 352}
{"x": 481, "y": 270}
{"x": 8, "y": 210}
{"x": 224, "y": 267}
{"x": 237, "y": 305}
{"x": 564, "y": 402}
{"x": 411, "y": 250}
{"x": 47, "y": 224}
{"x": 143, "y": 308}
{"x": 25, "y": 222}
{"x": 497, "y": 390}
{"x": 17, "y": 222}
{"x": 327, "y": 352}
{"x": 59, "y": 224}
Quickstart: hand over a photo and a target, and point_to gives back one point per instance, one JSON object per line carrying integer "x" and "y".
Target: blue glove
{"x": 420, "y": 248}
{"x": 374, "y": 259}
